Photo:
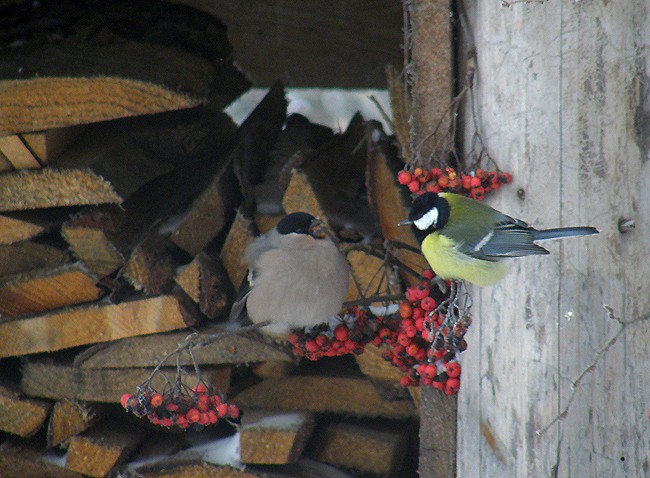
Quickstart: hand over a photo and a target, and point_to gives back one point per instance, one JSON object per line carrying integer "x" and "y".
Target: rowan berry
{"x": 475, "y": 182}
{"x": 125, "y": 399}
{"x": 428, "y": 304}
{"x": 233, "y": 411}
{"x": 156, "y": 400}
{"x": 404, "y": 177}
{"x": 311, "y": 346}
{"x": 342, "y": 333}
{"x": 222, "y": 410}
{"x": 193, "y": 415}
{"x": 414, "y": 186}
{"x": 453, "y": 369}
{"x": 405, "y": 310}
{"x": 452, "y": 386}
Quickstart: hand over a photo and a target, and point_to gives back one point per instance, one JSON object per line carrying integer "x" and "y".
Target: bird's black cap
{"x": 295, "y": 223}
{"x": 424, "y": 204}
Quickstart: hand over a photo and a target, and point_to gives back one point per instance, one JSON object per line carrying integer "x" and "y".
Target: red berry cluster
{"x": 475, "y": 184}
{"x": 426, "y": 344}
{"x": 348, "y": 336}
{"x": 198, "y": 408}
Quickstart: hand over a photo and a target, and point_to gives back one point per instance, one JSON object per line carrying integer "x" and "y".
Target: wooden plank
{"x": 25, "y": 225}
{"x": 232, "y": 253}
{"x": 211, "y": 210}
{"x": 48, "y": 145}
{"x": 20, "y": 459}
{"x": 353, "y": 396}
{"x": 66, "y": 382}
{"x": 91, "y": 324}
{"x": 28, "y": 256}
{"x": 368, "y": 447}
{"x": 21, "y": 416}
{"x": 373, "y": 365}
{"x": 366, "y": 36}
{"x": 430, "y": 74}
{"x": 101, "y": 449}
{"x": 47, "y": 289}
{"x": 17, "y": 153}
{"x": 5, "y": 164}
{"x": 430, "y": 79}
{"x": 390, "y": 203}
{"x": 206, "y": 282}
{"x": 99, "y": 70}
{"x": 70, "y": 417}
{"x": 199, "y": 470}
{"x": 148, "y": 351}
{"x": 94, "y": 248}
{"x": 151, "y": 266}
{"x": 272, "y": 438}
{"x": 578, "y": 102}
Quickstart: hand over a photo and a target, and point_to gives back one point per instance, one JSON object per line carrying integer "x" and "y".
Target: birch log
{"x": 564, "y": 104}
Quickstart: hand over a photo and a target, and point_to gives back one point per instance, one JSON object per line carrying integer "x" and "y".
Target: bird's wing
{"x": 491, "y": 238}
{"x": 238, "y": 309}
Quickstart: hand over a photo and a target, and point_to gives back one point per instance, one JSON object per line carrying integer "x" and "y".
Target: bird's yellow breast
{"x": 448, "y": 262}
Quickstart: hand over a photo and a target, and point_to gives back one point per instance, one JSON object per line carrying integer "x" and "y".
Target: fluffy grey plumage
{"x": 297, "y": 276}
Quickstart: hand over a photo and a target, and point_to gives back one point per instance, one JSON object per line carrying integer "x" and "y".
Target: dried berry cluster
{"x": 475, "y": 184}
{"x": 199, "y": 407}
{"x": 348, "y": 336}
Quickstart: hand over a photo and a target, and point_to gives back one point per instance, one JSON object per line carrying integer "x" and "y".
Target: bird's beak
{"x": 405, "y": 222}
{"x": 317, "y": 229}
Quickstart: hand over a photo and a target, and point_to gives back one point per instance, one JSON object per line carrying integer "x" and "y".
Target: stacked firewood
{"x": 127, "y": 198}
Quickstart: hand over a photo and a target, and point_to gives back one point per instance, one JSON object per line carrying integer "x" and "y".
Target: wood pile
{"x": 127, "y": 198}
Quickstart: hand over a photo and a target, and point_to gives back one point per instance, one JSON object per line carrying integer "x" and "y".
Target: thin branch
{"x": 591, "y": 367}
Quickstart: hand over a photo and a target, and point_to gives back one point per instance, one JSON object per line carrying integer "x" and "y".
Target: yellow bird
{"x": 463, "y": 239}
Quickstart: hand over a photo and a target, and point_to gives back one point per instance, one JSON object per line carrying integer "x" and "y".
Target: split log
{"x": 151, "y": 266}
{"x": 28, "y": 256}
{"x": 353, "y": 396}
{"x": 110, "y": 61}
{"x": 366, "y": 447}
{"x": 209, "y": 213}
{"x": 199, "y": 470}
{"x": 99, "y": 450}
{"x": 25, "y": 225}
{"x": 331, "y": 184}
{"x": 70, "y": 417}
{"x": 206, "y": 282}
{"x": 21, "y": 416}
{"x": 60, "y": 382}
{"x": 48, "y": 145}
{"x": 17, "y": 153}
{"x": 19, "y": 459}
{"x": 390, "y": 203}
{"x": 42, "y": 290}
{"x": 94, "y": 247}
{"x": 106, "y": 166}
{"x": 373, "y": 365}
{"x": 272, "y": 438}
{"x": 148, "y": 351}
{"x": 91, "y": 324}
{"x": 232, "y": 253}
{"x": 254, "y": 139}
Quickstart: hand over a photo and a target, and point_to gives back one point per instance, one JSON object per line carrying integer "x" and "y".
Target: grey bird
{"x": 297, "y": 277}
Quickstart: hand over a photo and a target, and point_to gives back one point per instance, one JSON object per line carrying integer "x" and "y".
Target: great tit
{"x": 297, "y": 276}
{"x": 467, "y": 240}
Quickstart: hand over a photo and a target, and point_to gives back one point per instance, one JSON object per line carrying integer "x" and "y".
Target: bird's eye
{"x": 427, "y": 220}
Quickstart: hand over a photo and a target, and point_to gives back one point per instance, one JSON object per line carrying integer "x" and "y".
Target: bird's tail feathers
{"x": 559, "y": 232}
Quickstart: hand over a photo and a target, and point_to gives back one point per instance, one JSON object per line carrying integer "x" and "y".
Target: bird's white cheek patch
{"x": 428, "y": 220}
